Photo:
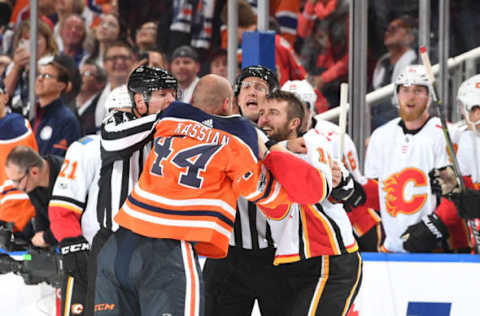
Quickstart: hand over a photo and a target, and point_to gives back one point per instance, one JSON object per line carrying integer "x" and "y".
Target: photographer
{"x": 36, "y": 176}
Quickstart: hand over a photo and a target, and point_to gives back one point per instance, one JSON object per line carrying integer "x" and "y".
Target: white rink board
{"x": 18, "y": 299}
{"x": 390, "y": 283}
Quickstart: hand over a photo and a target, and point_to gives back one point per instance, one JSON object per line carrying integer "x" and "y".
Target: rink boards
{"x": 393, "y": 285}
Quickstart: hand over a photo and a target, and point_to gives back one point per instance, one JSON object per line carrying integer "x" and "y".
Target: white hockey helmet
{"x": 304, "y": 90}
{"x": 468, "y": 97}
{"x": 413, "y": 75}
{"x": 118, "y": 98}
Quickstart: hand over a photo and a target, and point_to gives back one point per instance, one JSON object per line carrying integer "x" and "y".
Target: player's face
{"x": 474, "y": 115}
{"x": 273, "y": 120}
{"x": 160, "y": 100}
{"x": 251, "y": 96}
{"x": 413, "y": 101}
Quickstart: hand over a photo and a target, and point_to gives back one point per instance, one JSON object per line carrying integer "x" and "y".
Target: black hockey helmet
{"x": 145, "y": 79}
{"x": 258, "y": 71}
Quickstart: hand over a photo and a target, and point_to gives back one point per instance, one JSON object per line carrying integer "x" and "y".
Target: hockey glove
{"x": 467, "y": 203}
{"x": 74, "y": 253}
{"x": 349, "y": 192}
{"x": 443, "y": 181}
{"x": 425, "y": 235}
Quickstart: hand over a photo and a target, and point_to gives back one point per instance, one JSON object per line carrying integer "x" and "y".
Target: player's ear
{"x": 227, "y": 106}
{"x": 295, "y": 124}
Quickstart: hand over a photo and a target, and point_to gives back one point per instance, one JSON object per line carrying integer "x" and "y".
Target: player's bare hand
{"x": 336, "y": 174}
{"x": 297, "y": 145}
{"x": 38, "y": 240}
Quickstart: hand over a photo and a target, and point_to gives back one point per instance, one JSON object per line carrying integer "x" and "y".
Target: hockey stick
{"x": 441, "y": 114}
{"x": 342, "y": 121}
{"x": 451, "y": 153}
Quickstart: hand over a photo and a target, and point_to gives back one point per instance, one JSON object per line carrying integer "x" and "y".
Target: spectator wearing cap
{"x": 185, "y": 67}
{"x": 93, "y": 82}
{"x": 55, "y": 126}
{"x": 218, "y": 63}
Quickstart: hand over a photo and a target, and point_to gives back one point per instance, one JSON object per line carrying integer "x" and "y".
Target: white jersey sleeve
{"x": 76, "y": 188}
{"x": 78, "y": 171}
{"x": 468, "y": 155}
{"x": 373, "y": 157}
{"x": 350, "y": 156}
{"x": 319, "y": 154}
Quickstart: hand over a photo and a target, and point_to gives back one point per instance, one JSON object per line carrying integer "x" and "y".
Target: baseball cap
{"x": 185, "y": 51}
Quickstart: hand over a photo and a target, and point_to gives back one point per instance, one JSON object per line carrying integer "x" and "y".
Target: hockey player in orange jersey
{"x": 184, "y": 204}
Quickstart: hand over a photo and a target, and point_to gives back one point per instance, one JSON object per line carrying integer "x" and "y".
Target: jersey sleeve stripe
{"x": 125, "y": 142}
{"x": 325, "y": 186}
{"x": 66, "y": 206}
{"x": 184, "y": 203}
{"x": 274, "y": 195}
{"x": 193, "y": 213}
{"x": 328, "y": 228}
{"x": 6, "y": 191}
{"x": 80, "y": 205}
{"x": 268, "y": 188}
{"x": 174, "y": 222}
{"x": 11, "y": 197}
{"x": 112, "y": 131}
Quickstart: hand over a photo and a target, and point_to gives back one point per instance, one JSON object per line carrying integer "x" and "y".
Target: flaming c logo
{"x": 395, "y": 185}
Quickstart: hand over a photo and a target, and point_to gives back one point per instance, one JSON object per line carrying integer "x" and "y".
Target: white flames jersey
{"x": 307, "y": 231}
{"x": 468, "y": 156}
{"x": 350, "y": 156}
{"x": 77, "y": 190}
{"x": 401, "y": 163}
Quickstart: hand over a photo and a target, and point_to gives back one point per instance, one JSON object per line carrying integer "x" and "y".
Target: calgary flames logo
{"x": 395, "y": 185}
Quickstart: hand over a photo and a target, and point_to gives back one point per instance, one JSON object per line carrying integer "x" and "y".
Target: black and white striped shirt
{"x": 251, "y": 230}
{"x": 125, "y": 144}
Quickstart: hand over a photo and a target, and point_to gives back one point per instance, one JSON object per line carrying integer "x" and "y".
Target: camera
{"x": 35, "y": 265}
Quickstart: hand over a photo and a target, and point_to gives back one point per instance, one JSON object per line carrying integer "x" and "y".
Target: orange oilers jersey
{"x": 198, "y": 167}
{"x": 15, "y": 206}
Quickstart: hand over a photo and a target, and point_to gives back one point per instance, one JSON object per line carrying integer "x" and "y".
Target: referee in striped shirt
{"x": 232, "y": 284}
{"x": 126, "y": 140}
